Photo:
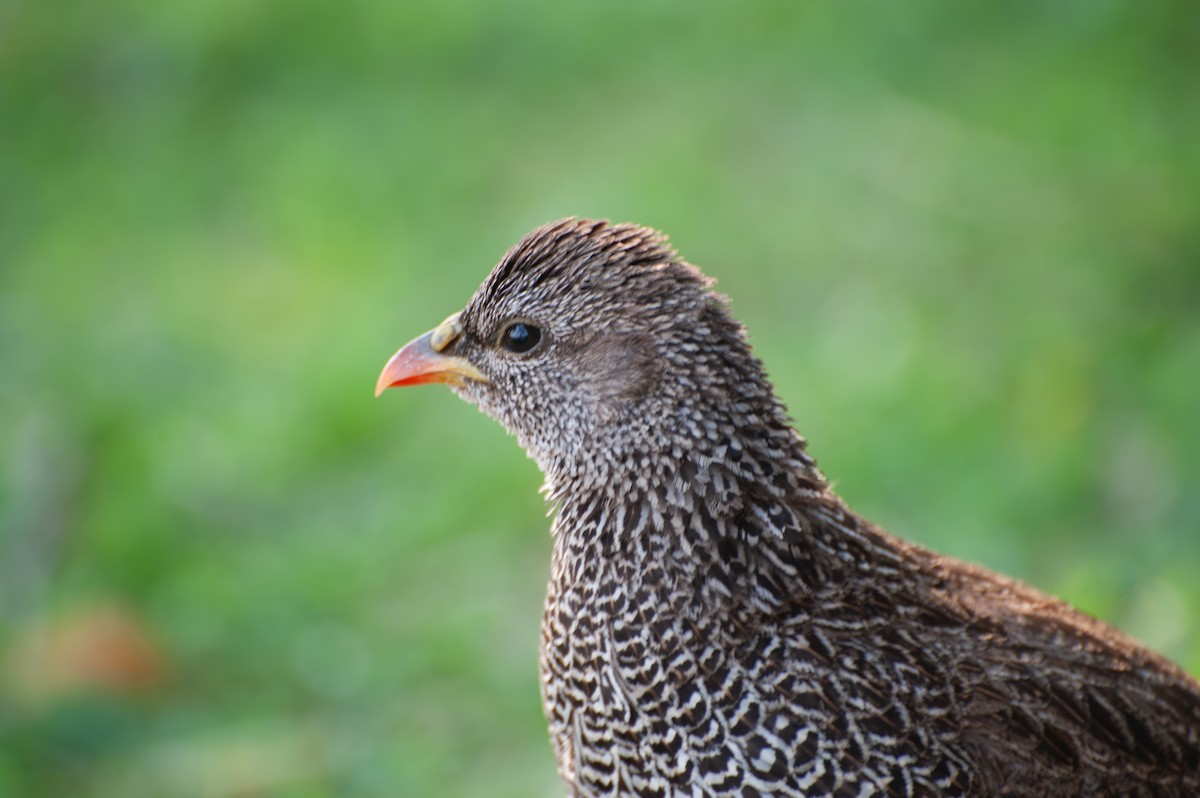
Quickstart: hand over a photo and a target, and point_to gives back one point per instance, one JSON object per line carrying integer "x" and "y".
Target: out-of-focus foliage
{"x": 966, "y": 239}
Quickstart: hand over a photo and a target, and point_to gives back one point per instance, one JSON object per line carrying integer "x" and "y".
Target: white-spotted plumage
{"x": 719, "y": 623}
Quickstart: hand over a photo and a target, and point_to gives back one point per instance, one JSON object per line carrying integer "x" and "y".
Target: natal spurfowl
{"x": 718, "y": 621}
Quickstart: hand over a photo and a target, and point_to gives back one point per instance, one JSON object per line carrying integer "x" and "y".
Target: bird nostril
{"x": 445, "y": 333}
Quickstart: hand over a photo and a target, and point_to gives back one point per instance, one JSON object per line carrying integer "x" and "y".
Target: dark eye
{"x": 520, "y": 337}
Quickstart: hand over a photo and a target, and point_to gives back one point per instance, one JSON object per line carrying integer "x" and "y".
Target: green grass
{"x": 965, "y": 240}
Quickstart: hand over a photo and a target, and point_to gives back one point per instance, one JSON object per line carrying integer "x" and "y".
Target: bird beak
{"x": 422, "y": 361}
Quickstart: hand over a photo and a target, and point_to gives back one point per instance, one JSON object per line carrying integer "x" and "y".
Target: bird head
{"x": 596, "y": 345}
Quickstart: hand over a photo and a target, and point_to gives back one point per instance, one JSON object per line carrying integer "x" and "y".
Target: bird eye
{"x": 520, "y": 337}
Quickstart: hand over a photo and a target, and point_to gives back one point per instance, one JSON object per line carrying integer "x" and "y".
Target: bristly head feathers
{"x": 580, "y": 259}
{"x": 573, "y": 244}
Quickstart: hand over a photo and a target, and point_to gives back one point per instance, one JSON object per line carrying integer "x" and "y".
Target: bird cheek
{"x": 620, "y": 370}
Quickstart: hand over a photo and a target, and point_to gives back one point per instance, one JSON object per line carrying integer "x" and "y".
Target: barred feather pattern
{"x": 719, "y": 623}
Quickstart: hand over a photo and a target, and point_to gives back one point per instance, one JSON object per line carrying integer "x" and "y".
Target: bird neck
{"x": 682, "y": 467}
{"x": 738, "y": 535}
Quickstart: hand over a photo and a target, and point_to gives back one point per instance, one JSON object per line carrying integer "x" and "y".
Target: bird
{"x": 718, "y": 621}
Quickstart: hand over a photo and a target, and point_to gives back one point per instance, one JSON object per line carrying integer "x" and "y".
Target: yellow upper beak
{"x": 421, "y": 361}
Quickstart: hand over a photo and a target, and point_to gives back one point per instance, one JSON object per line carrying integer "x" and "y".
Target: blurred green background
{"x": 966, "y": 239}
